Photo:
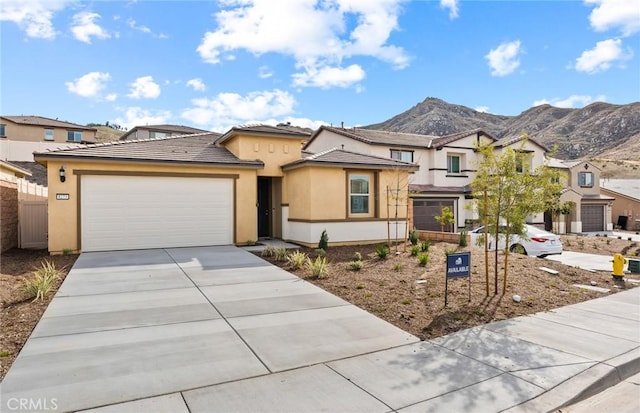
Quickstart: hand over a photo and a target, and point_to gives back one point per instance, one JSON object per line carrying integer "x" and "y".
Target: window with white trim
{"x": 405, "y": 156}
{"x": 2, "y": 130}
{"x": 453, "y": 164}
{"x": 585, "y": 179}
{"x": 359, "y": 194}
{"x": 48, "y": 134}
{"x": 156, "y": 135}
{"x": 74, "y": 136}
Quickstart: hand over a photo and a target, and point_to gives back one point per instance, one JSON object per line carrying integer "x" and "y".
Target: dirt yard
{"x": 19, "y": 314}
{"x": 401, "y": 292}
{"x": 395, "y": 289}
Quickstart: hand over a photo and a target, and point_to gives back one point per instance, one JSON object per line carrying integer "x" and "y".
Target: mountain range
{"x": 599, "y": 130}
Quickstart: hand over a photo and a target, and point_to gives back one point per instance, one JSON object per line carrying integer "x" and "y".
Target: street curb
{"x": 592, "y": 381}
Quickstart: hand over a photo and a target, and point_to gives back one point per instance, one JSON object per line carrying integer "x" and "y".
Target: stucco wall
{"x": 624, "y": 206}
{"x": 63, "y": 214}
{"x": 8, "y": 214}
{"x": 32, "y": 133}
{"x": 575, "y": 171}
{"x": 273, "y": 151}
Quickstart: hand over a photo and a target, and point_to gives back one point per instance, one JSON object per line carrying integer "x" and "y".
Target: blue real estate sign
{"x": 458, "y": 266}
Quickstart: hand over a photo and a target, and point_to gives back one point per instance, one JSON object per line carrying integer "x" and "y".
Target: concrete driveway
{"x": 134, "y": 324}
{"x": 586, "y": 261}
{"x": 218, "y": 329}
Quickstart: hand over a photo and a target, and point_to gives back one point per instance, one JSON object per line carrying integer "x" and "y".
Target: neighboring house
{"x": 20, "y": 136}
{"x": 590, "y": 210}
{"x": 159, "y": 131}
{"x": 205, "y": 189}
{"x": 447, "y": 165}
{"x": 626, "y": 206}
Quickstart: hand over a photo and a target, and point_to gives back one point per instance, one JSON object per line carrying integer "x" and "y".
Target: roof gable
{"x": 281, "y": 131}
{"x": 341, "y": 157}
{"x": 377, "y": 137}
{"x": 181, "y": 129}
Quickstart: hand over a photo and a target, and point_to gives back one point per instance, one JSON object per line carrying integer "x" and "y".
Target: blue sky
{"x": 215, "y": 64}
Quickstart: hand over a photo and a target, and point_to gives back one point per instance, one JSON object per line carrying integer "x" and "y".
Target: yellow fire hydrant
{"x": 618, "y": 265}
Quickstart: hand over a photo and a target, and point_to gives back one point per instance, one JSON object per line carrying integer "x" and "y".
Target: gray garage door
{"x": 424, "y": 211}
{"x": 592, "y": 218}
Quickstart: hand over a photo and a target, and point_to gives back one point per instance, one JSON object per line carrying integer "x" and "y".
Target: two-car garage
{"x": 136, "y": 212}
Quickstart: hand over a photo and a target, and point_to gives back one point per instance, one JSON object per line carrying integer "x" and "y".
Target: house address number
{"x": 62, "y": 197}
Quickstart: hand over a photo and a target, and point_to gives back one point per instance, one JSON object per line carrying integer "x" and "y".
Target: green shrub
{"x": 405, "y": 301}
{"x": 318, "y": 267}
{"x": 356, "y": 265}
{"x": 320, "y": 252}
{"x": 382, "y": 251}
{"x": 415, "y": 249}
{"x": 67, "y": 251}
{"x": 296, "y": 259}
{"x": 581, "y": 244}
{"x": 4, "y": 353}
{"x": 413, "y": 237}
{"x": 324, "y": 241}
{"x": 424, "y": 246}
{"x": 42, "y": 281}
{"x": 449, "y": 251}
{"x": 608, "y": 242}
{"x": 423, "y": 259}
{"x": 398, "y": 267}
{"x": 357, "y": 256}
{"x": 463, "y": 238}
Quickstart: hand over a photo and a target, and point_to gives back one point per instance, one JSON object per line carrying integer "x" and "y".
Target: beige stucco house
{"x": 625, "y": 210}
{"x": 206, "y": 189}
{"x": 447, "y": 165}
{"x": 21, "y": 135}
{"x": 590, "y": 209}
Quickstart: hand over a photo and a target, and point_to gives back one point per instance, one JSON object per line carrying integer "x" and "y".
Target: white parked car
{"x": 537, "y": 242}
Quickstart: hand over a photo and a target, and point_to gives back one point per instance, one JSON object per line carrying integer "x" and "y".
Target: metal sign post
{"x": 458, "y": 266}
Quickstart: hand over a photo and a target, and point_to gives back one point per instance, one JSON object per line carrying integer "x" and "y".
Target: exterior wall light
{"x": 63, "y": 174}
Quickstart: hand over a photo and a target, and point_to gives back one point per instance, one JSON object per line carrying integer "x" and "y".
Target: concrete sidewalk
{"x": 219, "y": 329}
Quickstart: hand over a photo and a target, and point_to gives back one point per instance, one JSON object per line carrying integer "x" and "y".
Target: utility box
{"x": 634, "y": 265}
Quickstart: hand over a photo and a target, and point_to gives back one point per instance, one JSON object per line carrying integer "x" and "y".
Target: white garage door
{"x": 131, "y": 212}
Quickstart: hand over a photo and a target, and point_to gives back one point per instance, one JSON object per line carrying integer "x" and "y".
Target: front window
{"x": 48, "y": 134}
{"x": 156, "y": 135}
{"x": 74, "y": 136}
{"x": 2, "y": 130}
{"x": 359, "y": 190}
{"x": 585, "y": 179}
{"x": 453, "y": 164}
{"x": 405, "y": 156}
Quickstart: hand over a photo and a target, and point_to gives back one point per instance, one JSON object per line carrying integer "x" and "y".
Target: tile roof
{"x": 42, "y": 121}
{"x": 281, "y": 130}
{"x": 341, "y": 157}
{"x": 181, "y": 129}
{"x": 440, "y": 142}
{"x": 379, "y": 137}
{"x": 187, "y": 149}
{"x": 626, "y": 187}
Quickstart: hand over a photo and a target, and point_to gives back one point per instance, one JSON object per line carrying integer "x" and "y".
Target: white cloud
{"x": 111, "y": 97}
{"x": 89, "y": 85}
{"x": 601, "y": 57}
{"x": 144, "y": 29}
{"x": 610, "y": 14}
{"x": 84, "y": 27}
{"x": 482, "y": 109}
{"x": 136, "y": 116}
{"x": 326, "y": 77}
{"x": 452, "y": 5}
{"x": 573, "y": 101}
{"x": 315, "y": 33}
{"x": 33, "y": 16}
{"x": 503, "y": 60}
{"x": 144, "y": 87}
{"x": 197, "y": 84}
{"x": 264, "y": 72}
{"x": 228, "y": 109}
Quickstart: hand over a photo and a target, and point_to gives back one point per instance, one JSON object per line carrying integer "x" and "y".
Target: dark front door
{"x": 264, "y": 207}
